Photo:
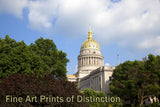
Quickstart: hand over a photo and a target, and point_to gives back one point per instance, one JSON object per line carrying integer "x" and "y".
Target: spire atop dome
{"x": 90, "y": 37}
{"x": 90, "y": 43}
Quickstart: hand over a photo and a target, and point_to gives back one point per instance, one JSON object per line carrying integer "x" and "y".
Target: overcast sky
{"x": 130, "y": 28}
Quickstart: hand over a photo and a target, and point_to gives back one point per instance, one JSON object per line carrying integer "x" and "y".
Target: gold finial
{"x": 90, "y": 33}
{"x": 89, "y": 26}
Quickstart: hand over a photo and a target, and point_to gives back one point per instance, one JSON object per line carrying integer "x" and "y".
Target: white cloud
{"x": 42, "y": 13}
{"x": 13, "y": 7}
{"x": 132, "y": 24}
{"x": 150, "y": 42}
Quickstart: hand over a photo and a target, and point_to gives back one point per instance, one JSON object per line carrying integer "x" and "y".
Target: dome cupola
{"x": 90, "y": 57}
{"x": 90, "y": 43}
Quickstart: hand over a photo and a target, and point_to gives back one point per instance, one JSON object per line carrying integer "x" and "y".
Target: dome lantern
{"x": 90, "y": 37}
{"x": 90, "y": 43}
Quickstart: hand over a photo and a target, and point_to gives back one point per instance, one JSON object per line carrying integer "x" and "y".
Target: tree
{"x": 152, "y": 65}
{"x": 55, "y": 60}
{"x": 88, "y": 92}
{"x": 53, "y": 91}
{"x": 124, "y": 79}
{"x": 39, "y": 58}
{"x": 134, "y": 81}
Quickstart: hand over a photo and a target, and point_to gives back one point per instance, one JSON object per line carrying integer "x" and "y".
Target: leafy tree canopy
{"x": 40, "y": 57}
{"x": 46, "y": 91}
{"x": 137, "y": 80}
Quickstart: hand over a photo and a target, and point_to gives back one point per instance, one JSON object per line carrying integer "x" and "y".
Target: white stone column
{"x": 95, "y": 61}
{"x": 81, "y": 61}
{"x": 101, "y": 62}
{"x": 91, "y": 61}
{"x": 95, "y": 83}
{"x": 92, "y": 83}
{"x": 98, "y": 83}
{"x": 98, "y": 60}
{"x": 86, "y": 61}
{"x": 101, "y": 82}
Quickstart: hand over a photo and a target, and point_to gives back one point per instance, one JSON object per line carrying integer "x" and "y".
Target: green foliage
{"x": 39, "y": 58}
{"x": 55, "y": 60}
{"x": 137, "y": 80}
{"x": 88, "y": 92}
{"x": 54, "y": 91}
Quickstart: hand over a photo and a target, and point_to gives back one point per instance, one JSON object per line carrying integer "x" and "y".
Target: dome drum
{"x": 90, "y": 60}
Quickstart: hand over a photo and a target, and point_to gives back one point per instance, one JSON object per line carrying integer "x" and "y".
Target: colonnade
{"x": 96, "y": 83}
{"x": 91, "y": 60}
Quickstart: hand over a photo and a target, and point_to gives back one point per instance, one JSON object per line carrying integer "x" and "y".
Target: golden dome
{"x": 90, "y": 43}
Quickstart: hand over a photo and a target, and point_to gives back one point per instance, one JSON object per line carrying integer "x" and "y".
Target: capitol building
{"x": 91, "y": 71}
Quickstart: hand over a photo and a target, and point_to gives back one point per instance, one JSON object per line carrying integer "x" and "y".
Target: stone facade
{"x": 98, "y": 79}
